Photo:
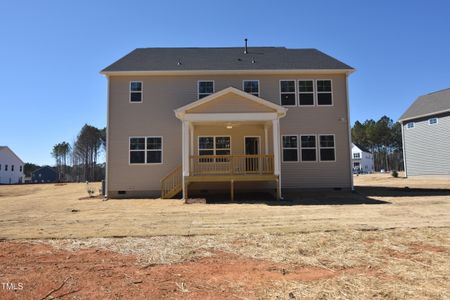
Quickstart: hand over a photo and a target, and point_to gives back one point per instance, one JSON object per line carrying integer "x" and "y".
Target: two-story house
{"x": 11, "y": 167}
{"x": 197, "y": 120}
{"x": 426, "y": 135}
{"x": 362, "y": 159}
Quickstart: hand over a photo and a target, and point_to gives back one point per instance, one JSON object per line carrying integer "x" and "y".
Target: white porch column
{"x": 276, "y": 146}
{"x": 266, "y": 140}
{"x": 276, "y": 154}
{"x": 185, "y": 154}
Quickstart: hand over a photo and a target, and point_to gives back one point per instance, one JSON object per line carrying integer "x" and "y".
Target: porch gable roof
{"x": 265, "y": 106}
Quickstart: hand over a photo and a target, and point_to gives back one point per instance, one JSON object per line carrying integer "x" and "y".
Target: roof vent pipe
{"x": 245, "y": 50}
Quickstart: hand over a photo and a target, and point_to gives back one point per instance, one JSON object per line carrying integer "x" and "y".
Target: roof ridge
{"x": 438, "y": 91}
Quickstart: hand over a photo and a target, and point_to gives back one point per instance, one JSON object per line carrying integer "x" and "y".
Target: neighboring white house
{"x": 362, "y": 159}
{"x": 11, "y": 167}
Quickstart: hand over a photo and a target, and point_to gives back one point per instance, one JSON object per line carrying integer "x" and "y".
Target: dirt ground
{"x": 389, "y": 240}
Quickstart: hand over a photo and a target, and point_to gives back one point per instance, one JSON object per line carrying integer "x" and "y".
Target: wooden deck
{"x": 221, "y": 168}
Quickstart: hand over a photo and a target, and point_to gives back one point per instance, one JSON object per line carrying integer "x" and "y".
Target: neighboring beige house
{"x": 198, "y": 120}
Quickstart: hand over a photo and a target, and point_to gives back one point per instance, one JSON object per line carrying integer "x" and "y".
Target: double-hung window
{"x": 290, "y": 148}
{"x": 136, "y": 90}
{"x": 410, "y": 125}
{"x": 324, "y": 92}
{"x": 214, "y": 145}
{"x": 12, "y": 168}
{"x": 145, "y": 150}
{"x": 308, "y": 147}
{"x": 306, "y": 93}
{"x": 205, "y": 88}
{"x": 327, "y": 147}
{"x": 287, "y": 92}
{"x": 432, "y": 121}
{"x": 356, "y": 155}
{"x": 251, "y": 87}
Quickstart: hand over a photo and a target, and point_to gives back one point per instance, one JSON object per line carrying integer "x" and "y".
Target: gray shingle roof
{"x": 428, "y": 104}
{"x": 190, "y": 59}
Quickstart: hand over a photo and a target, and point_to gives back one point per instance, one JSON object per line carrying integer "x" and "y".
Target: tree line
{"x": 384, "y": 139}
{"x": 78, "y": 162}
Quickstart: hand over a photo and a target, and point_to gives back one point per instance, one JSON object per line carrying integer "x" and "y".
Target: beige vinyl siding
{"x": 155, "y": 117}
{"x": 427, "y": 147}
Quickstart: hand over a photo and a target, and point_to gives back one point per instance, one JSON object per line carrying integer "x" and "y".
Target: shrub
{"x": 394, "y": 174}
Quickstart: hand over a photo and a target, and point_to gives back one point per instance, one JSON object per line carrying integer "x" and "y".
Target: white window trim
{"x": 259, "y": 86}
{"x": 198, "y": 88}
{"x": 317, "y": 93}
{"x": 141, "y": 91}
{"x": 358, "y": 155}
{"x": 316, "y": 148}
{"x": 429, "y": 121}
{"x": 145, "y": 151}
{"x": 334, "y": 148}
{"x": 295, "y": 92}
{"x": 214, "y": 143}
{"x": 313, "y": 92}
{"x": 283, "y": 148}
{"x": 412, "y": 127}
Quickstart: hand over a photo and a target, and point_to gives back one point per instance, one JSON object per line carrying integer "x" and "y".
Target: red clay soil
{"x": 96, "y": 274}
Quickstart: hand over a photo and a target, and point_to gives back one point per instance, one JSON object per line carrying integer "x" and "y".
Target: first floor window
{"x": 214, "y": 145}
{"x": 145, "y": 150}
{"x": 251, "y": 87}
{"x": 308, "y": 146}
{"x": 305, "y": 92}
{"x": 327, "y": 147}
{"x": 324, "y": 92}
{"x": 356, "y": 165}
{"x": 136, "y": 91}
{"x": 287, "y": 92}
{"x": 290, "y": 148}
{"x": 205, "y": 88}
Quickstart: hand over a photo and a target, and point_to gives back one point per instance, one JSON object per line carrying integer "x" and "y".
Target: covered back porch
{"x": 228, "y": 137}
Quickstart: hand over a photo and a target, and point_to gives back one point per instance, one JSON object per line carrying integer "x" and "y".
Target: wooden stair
{"x": 172, "y": 184}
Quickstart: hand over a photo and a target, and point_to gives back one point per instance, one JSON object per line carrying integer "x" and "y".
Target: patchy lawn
{"x": 385, "y": 241}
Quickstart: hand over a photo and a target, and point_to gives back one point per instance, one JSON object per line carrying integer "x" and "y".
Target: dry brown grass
{"x": 54, "y": 211}
{"x": 399, "y": 250}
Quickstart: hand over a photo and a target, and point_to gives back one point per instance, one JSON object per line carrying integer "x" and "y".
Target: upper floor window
{"x": 410, "y": 125}
{"x": 12, "y": 168}
{"x": 327, "y": 147}
{"x": 324, "y": 92}
{"x": 432, "y": 121}
{"x": 290, "y": 148}
{"x": 6, "y": 167}
{"x": 287, "y": 92}
{"x": 251, "y": 87}
{"x": 146, "y": 150}
{"x": 356, "y": 155}
{"x": 136, "y": 90}
{"x": 308, "y": 147}
{"x": 20, "y": 169}
{"x": 305, "y": 92}
{"x": 205, "y": 88}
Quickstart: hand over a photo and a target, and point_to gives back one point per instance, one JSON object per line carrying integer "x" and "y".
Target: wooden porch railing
{"x": 172, "y": 183}
{"x": 231, "y": 164}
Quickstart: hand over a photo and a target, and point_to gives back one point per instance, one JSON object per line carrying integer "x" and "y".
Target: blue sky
{"x": 52, "y": 51}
